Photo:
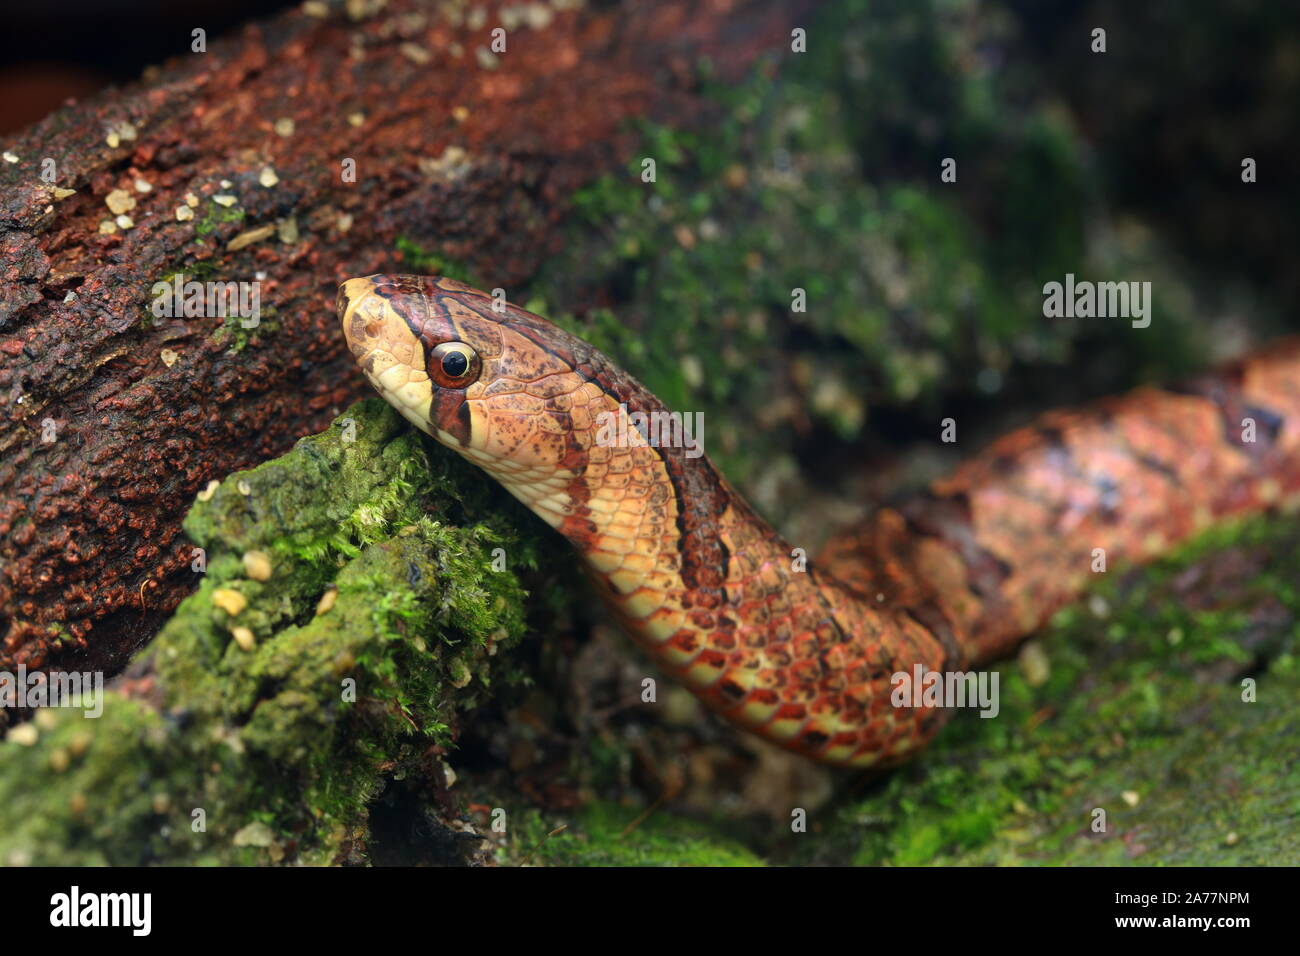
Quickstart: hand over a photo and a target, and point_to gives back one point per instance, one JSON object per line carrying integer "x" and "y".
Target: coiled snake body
{"x": 806, "y": 658}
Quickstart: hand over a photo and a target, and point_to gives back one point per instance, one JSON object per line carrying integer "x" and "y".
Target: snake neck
{"x": 716, "y": 596}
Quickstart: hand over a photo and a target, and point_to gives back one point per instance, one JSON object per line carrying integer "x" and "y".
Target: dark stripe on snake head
{"x": 432, "y": 326}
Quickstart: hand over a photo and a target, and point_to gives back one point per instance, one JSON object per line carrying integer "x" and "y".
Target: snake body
{"x": 805, "y": 655}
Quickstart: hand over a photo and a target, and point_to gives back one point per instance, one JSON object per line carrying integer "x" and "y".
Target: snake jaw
{"x": 387, "y": 350}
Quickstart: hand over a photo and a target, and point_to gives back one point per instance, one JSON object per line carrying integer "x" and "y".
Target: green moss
{"x": 232, "y": 329}
{"x": 1142, "y": 716}
{"x": 603, "y": 834}
{"x": 823, "y": 176}
{"x": 421, "y": 261}
{"x": 85, "y": 793}
{"x": 215, "y": 215}
{"x": 297, "y": 733}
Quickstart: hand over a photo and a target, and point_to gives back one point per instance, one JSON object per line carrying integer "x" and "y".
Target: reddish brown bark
{"x": 91, "y": 554}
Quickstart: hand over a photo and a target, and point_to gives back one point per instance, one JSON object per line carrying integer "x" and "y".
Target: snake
{"x": 807, "y": 653}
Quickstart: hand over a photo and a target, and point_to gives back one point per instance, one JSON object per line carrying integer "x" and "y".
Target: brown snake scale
{"x": 806, "y": 658}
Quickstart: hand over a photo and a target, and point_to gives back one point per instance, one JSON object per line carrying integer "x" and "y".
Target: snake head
{"x": 508, "y": 390}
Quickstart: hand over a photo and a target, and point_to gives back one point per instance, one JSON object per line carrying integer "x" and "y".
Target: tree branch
{"x": 226, "y": 165}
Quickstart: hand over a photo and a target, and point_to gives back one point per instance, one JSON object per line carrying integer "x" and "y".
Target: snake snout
{"x": 359, "y": 331}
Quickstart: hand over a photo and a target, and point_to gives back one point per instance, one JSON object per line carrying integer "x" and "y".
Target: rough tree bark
{"x": 112, "y": 420}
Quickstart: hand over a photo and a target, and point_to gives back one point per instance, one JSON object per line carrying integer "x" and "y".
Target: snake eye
{"x": 454, "y": 365}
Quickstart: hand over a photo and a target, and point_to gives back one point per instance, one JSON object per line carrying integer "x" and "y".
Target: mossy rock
{"x": 362, "y": 569}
